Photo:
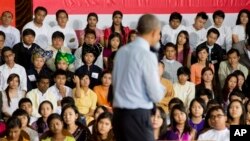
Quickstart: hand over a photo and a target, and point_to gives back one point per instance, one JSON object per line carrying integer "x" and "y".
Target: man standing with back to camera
{"x": 137, "y": 84}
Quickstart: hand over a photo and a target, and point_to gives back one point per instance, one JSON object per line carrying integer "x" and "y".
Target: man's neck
{"x": 5, "y": 25}
{"x": 217, "y": 25}
{"x": 11, "y": 65}
{"x": 38, "y": 24}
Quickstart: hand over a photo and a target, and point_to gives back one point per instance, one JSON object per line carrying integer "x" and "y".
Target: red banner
{"x": 142, "y": 6}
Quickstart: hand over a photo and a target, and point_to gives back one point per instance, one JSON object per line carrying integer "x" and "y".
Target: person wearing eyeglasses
{"x": 218, "y": 132}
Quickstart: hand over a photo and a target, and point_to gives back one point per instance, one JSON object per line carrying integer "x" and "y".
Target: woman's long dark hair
{"x": 11, "y": 78}
{"x": 92, "y": 14}
{"x": 245, "y": 87}
{"x": 75, "y": 109}
{"x": 117, "y": 12}
{"x": 225, "y": 89}
{"x": 96, "y": 134}
{"x": 173, "y": 123}
{"x": 110, "y": 91}
{"x": 243, "y": 115}
{"x": 113, "y": 35}
{"x": 163, "y": 128}
{"x": 238, "y": 22}
{"x": 215, "y": 87}
{"x": 186, "y": 47}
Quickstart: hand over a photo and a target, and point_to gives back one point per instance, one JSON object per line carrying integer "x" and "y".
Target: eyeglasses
{"x": 216, "y": 116}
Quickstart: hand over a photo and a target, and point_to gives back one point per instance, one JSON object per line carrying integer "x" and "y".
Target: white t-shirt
{"x": 43, "y": 34}
{"x": 169, "y": 34}
{"x": 196, "y": 37}
{"x": 215, "y": 135}
{"x": 225, "y": 38}
{"x": 12, "y": 35}
{"x": 5, "y": 72}
{"x": 239, "y": 30}
{"x": 70, "y": 40}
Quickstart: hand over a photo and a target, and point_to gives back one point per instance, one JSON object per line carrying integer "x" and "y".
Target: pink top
{"x": 107, "y": 52}
{"x": 196, "y": 72}
{"x": 98, "y": 32}
{"x": 180, "y": 56}
{"x": 108, "y": 32}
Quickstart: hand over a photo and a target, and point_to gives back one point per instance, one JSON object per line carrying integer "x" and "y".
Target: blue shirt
{"x": 136, "y": 78}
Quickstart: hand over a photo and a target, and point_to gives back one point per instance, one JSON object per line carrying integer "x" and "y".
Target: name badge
{"x": 32, "y": 77}
{"x": 94, "y": 75}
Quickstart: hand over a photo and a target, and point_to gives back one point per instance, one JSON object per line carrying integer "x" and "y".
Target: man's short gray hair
{"x": 147, "y": 23}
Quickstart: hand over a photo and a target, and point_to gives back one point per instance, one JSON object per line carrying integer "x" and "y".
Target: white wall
{"x": 105, "y": 20}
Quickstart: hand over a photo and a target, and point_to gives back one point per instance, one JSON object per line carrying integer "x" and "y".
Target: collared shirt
{"x": 37, "y": 97}
{"x": 12, "y": 35}
{"x": 5, "y": 71}
{"x": 26, "y": 46}
{"x": 135, "y": 77}
{"x": 54, "y": 90}
{"x": 43, "y": 34}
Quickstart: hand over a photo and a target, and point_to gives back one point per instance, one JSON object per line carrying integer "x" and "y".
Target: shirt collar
{"x": 26, "y": 46}
{"x": 169, "y": 61}
{"x": 143, "y": 43}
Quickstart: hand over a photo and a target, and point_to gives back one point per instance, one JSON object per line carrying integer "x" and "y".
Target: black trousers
{"x": 132, "y": 125}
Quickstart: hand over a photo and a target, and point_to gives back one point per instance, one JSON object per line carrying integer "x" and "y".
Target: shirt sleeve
{"x": 94, "y": 101}
{"x": 23, "y": 79}
{"x": 151, "y": 77}
{"x": 78, "y": 62}
{"x": 191, "y": 94}
{"x": 192, "y": 76}
{"x": 5, "y": 103}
